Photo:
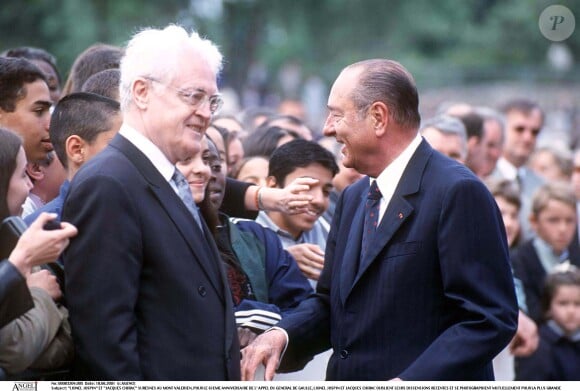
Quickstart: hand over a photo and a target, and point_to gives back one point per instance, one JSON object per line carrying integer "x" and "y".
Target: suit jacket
{"x": 433, "y": 299}
{"x": 529, "y": 269}
{"x": 146, "y": 293}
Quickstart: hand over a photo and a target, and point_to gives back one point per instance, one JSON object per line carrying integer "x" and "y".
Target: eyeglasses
{"x": 196, "y": 98}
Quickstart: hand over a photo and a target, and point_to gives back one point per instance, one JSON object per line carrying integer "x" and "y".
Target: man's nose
{"x": 47, "y": 121}
{"x": 328, "y": 129}
{"x": 204, "y": 111}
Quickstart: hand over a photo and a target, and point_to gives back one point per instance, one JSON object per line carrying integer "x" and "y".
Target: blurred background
{"x": 481, "y": 52}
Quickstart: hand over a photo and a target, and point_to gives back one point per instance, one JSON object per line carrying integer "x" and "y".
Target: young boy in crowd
{"x": 82, "y": 125}
{"x": 303, "y": 235}
{"x": 553, "y": 219}
{"x": 558, "y": 355}
{"x": 508, "y": 201}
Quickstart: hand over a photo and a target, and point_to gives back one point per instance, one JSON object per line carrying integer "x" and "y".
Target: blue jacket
{"x": 433, "y": 297}
{"x": 277, "y": 282}
{"x": 557, "y": 357}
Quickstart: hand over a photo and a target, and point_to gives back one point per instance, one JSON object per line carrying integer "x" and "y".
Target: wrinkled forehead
{"x": 191, "y": 70}
{"x": 344, "y": 84}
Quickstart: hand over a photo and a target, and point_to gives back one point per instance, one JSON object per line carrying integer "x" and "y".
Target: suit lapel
{"x": 396, "y": 214}
{"x": 178, "y": 212}
{"x": 352, "y": 252}
{"x": 398, "y": 211}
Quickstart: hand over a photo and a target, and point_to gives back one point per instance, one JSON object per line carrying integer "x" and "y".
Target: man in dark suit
{"x": 148, "y": 299}
{"x": 432, "y": 297}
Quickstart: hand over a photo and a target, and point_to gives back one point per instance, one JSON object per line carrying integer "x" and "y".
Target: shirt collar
{"x": 389, "y": 178}
{"x": 508, "y": 170}
{"x": 266, "y": 221}
{"x": 150, "y": 150}
{"x": 548, "y": 258}
{"x": 555, "y": 327}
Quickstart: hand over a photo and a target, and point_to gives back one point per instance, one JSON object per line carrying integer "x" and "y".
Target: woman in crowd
{"x": 34, "y": 331}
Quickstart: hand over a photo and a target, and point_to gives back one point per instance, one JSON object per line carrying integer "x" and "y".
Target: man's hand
{"x": 246, "y": 336}
{"x": 44, "y": 280}
{"x": 526, "y": 340}
{"x": 291, "y": 199}
{"x": 310, "y": 259}
{"x": 265, "y": 349}
{"x": 37, "y": 246}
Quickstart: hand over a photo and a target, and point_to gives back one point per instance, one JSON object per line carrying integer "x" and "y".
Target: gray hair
{"x": 448, "y": 125}
{"x": 154, "y": 53}
{"x": 389, "y": 82}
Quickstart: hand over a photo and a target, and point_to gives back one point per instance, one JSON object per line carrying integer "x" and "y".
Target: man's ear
{"x": 472, "y": 142}
{"x": 271, "y": 181}
{"x": 35, "y": 171}
{"x": 379, "y": 116}
{"x": 75, "y": 149}
{"x": 140, "y": 90}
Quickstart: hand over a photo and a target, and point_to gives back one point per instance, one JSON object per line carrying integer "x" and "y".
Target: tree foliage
{"x": 441, "y": 42}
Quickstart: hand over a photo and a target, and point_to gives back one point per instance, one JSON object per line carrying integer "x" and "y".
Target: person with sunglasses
{"x": 524, "y": 121}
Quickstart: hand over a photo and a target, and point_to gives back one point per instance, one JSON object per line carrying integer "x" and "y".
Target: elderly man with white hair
{"x": 147, "y": 296}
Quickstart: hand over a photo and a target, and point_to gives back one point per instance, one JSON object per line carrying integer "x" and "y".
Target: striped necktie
{"x": 185, "y": 194}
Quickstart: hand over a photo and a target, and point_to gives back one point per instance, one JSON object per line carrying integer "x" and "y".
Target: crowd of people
{"x": 164, "y": 240}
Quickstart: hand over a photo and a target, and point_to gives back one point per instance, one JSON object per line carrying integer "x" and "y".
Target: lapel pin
{"x": 400, "y": 215}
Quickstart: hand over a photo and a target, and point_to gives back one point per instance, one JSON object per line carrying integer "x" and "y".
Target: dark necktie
{"x": 371, "y": 217}
{"x": 185, "y": 194}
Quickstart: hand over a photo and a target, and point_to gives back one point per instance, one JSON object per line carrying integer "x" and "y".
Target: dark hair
{"x": 240, "y": 166}
{"x": 105, "y": 83}
{"x": 389, "y": 82}
{"x": 555, "y": 280}
{"x": 299, "y": 153}
{"x": 14, "y": 74}
{"x": 473, "y": 123}
{"x": 227, "y": 136}
{"x": 264, "y": 140}
{"x": 521, "y": 105}
{"x": 83, "y": 114}
{"x": 95, "y": 58}
{"x": 209, "y": 213}
{"x": 31, "y": 53}
{"x": 10, "y": 144}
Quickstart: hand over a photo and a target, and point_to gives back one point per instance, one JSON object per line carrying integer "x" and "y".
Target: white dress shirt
{"x": 151, "y": 151}
{"x": 388, "y": 180}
